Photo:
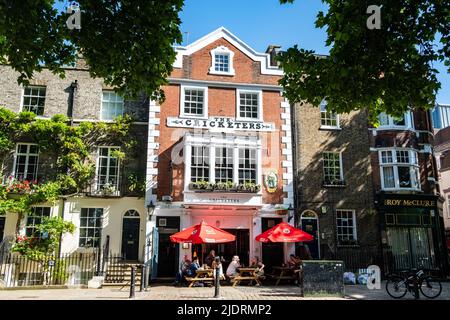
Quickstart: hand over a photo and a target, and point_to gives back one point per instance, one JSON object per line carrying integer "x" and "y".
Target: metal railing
{"x": 67, "y": 269}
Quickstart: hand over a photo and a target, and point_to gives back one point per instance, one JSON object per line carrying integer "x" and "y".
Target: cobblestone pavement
{"x": 167, "y": 292}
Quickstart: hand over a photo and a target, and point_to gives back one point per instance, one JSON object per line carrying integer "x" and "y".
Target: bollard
{"x": 301, "y": 281}
{"x": 217, "y": 282}
{"x": 142, "y": 278}
{"x": 133, "y": 282}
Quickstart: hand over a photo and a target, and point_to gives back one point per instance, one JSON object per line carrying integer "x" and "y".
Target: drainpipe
{"x": 73, "y": 89}
{"x": 61, "y": 214}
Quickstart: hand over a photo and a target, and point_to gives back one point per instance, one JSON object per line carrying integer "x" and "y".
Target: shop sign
{"x": 271, "y": 181}
{"x": 220, "y": 123}
{"x": 409, "y": 203}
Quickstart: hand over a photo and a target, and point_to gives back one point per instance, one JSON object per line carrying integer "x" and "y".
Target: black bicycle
{"x": 397, "y": 286}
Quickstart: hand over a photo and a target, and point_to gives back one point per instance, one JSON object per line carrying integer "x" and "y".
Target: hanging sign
{"x": 271, "y": 181}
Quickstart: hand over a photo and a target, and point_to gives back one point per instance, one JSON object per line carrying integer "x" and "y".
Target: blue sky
{"x": 263, "y": 22}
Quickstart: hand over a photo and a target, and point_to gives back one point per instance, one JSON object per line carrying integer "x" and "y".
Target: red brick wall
{"x": 221, "y": 102}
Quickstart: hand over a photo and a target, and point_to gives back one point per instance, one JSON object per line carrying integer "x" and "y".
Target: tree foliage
{"x": 128, "y": 43}
{"x": 384, "y": 70}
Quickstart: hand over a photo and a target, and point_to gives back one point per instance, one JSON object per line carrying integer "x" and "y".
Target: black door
{"x": 2, "y": 227}
{"x": 130, "y": 238}
{"x": 272, "y": 253}
{"x": 167, "y": 251}
{"x": 309, "y": 225}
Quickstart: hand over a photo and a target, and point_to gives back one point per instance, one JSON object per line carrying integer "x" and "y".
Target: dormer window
{"x": 222, "y": 61}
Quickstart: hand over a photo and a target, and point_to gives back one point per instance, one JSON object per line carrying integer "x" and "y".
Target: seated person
{"x": 194, "y": 266}
{"x": 256, "y": 263}
{"x": 182, "y": 271}
{"x": 232, "y": 267}
{"x": 294, "y": 262}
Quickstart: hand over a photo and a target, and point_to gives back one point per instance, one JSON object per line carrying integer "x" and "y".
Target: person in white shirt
{"x": 232, "y": 268}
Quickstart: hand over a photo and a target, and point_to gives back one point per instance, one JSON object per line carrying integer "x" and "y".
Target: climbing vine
{"x": 67, "y": 149}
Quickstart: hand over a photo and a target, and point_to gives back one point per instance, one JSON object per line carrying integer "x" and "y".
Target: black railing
{"x": 66, "y": 269}
{"x": 106, "y": 254}
{"x": 356, "y": 258}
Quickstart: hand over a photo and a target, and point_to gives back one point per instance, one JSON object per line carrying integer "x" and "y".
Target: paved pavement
{"x": 167, "y": 292}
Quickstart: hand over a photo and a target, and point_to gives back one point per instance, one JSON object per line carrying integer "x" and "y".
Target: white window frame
{"x": 228, "y": 157}
{"x": 23, "y": 98}
{"x": 341, "y": 167}
{"x": 86, "y": 227}
{"x": 448, "y": 206}
{"x": 391, "y": 126}
{"x": 412, "y": 154}
{"x": 222, "y": 50}
{"x": 33, "y": 226}
{"x": 354, "y": 227}
{"x": 260, "y": 105}
{"x": 207, "y": 159}
{"x": 101, "y": 105}
{"x": 97, "y": 167}
{"x": 328, "y": 127}
{"x": 27, "y": 155}
{"x": 183, "y": 88}
{"x": 212, "y": 142}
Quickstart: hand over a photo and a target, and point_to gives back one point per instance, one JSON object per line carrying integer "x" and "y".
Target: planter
{"x": 282, "y": 212}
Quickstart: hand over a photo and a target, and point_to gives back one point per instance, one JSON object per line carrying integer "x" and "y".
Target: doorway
{"x": 167, "y": 250}
{"x": 272, "y": 253}
{"x": 240, "y": 247}
{"x": 310, "y": 224}
{"x": 131, "y": 223}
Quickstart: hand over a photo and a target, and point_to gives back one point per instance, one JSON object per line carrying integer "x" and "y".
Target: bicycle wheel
{"x": 396, "y": 287}
{"x": 430, "y": 288}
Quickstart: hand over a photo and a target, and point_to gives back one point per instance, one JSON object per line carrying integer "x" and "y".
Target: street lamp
{"x": 150, "y": 209}
{"x": 291, "y": 212}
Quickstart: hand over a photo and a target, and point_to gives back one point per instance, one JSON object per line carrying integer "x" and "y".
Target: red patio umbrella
{"x": 284, "y": 232}
{"x": 202, "y": 233}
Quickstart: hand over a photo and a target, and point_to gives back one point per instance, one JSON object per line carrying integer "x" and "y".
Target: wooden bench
{"x": 246, "y": 274}
{"x": 192, "y": 280}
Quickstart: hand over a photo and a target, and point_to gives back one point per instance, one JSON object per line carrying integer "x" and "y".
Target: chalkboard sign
{"x": 323, "y": 276}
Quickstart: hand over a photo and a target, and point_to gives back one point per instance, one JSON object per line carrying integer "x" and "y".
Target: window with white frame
{"x": 332, "y": 168}
{"x": 112, "y": 105}
{"x": 328, "y": 120}
{"x": 222, "y": 61}
{"x": 34, "y": 219}
{"x": 249, "y": 105}
{"x": 200, "y": 163}
{"x": 346, "y": 226}
{"x": 194, "y": 102}
{"x": 26, "y": 161}
{"x": 91, "y": 221}
{"x": 399, "y": 169}
{"x": 108, "y": 168}
{"x": 387, "y": 121}
{"x": 224, "y": 164}
{"x": 34, "y": 99}
{"x": 247, "y": 166}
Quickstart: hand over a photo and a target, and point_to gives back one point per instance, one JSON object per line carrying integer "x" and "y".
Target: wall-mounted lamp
{"x": 291, "y": 212}
{"x": 185, "y": 245}
{"x": 323, "y": 209}
{"x": 150, "y": 209}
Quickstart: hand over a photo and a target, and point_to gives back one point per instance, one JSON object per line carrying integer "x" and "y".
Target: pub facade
{"x": 407, "y": 194}
{"x": 219, "y": 151}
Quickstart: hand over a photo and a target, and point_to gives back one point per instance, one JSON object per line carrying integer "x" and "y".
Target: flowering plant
{"x": 20, "y": 186}
{"x": 24, "y": 244}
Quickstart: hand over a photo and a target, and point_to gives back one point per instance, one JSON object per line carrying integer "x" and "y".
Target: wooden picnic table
{"x": 283, "y": 273}
{"x": 246, "y": 274}
{"x": 201, "y": 275}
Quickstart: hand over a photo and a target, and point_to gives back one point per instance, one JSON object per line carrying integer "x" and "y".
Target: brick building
{"x": 442, "y": 153}
{"x": 407, "y": 193}
{"x": 220, "y": 151}
{"x": 334, "y": 185}
{"x": 119, "y": 215}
